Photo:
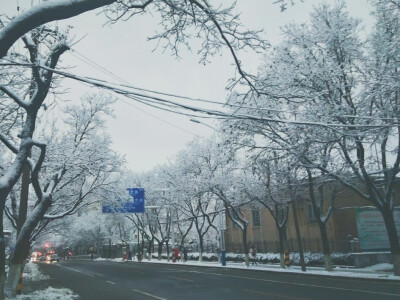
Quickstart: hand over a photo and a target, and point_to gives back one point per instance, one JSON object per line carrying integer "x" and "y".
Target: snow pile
{"x": 118, "y": 259}
{"x": 311, "y": 259}
{"x": 206, "y": 256}
{"x": 373, "y": 272}
{"x": 32, "y": 273}
{"x": 317, "y": 259}
{"x": 50, "y": 293}
{"x": 380, "y": 267}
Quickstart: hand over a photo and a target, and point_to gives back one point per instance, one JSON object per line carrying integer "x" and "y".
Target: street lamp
{"x": 221, "y": 225}
{"x": 199, "y": 122}
{"x": 222, "y": 238}
{"x": 163, "y": 190}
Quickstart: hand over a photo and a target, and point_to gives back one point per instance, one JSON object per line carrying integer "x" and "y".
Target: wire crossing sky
{"x": 121, "y": 53}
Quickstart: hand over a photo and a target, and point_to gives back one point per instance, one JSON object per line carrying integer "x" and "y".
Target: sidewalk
{"x": 380, "y": 271}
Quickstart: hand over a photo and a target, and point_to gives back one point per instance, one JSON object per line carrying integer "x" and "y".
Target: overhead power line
{"x": 112, "y": 75}
{"x": 128, "y": 85}
{"x": 199, "y": 112}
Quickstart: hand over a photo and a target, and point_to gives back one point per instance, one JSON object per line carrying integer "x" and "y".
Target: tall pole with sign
{"x": 172, "y": 230}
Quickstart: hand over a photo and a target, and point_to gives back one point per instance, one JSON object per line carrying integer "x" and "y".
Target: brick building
{"x": 341, "y": 225}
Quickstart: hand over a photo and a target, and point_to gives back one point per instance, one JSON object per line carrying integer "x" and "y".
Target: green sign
{"x": 371, "y": 228}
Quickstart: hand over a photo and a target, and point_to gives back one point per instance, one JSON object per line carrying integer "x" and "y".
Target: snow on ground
{"x": 50, "y": 293}
{"x": 380, "y": 271}
{"x": 380, "y": 267}
{"x": 32, "y": 273}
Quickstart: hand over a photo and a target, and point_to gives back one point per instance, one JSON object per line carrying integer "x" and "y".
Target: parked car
{"x": 42, "y": 258}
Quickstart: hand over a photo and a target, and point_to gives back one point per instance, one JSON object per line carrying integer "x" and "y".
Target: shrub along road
{"x": 133, "y": 280}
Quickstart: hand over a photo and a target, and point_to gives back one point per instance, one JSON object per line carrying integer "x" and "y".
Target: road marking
{"x": 77, "y": 271}
{"x": 110, "y": 282}
{"x": 299, "y": 284}
{"x": 147, "y": 294}
{"x": 275, "y": 295}
{"x": 179, "y": 278}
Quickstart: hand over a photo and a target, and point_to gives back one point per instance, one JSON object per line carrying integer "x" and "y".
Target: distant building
{"x": 350, "y": 212}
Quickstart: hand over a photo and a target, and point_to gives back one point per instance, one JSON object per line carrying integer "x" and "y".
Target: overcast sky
{"x": 147, "y": 136}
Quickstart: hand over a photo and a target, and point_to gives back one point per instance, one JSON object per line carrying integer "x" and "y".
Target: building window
{"x": 311, "y": 217}
{"x": 256, "y": 218}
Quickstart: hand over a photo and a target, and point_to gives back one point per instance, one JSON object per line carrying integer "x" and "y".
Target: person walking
{"x": 91, "y": 256}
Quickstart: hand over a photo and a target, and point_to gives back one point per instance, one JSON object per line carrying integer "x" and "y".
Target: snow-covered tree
{"x": 198, "y": 207}
{"x": 80, "y": 167}
{"x": 218, "y": 175}
{"x": 216, "y": 27}
{"x": 329, "y": 100}
{"x": 30, "y": 96}
{"x": 270, "y": 186}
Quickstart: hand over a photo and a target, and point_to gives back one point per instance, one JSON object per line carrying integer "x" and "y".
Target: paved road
{"x": 110, "y": 280}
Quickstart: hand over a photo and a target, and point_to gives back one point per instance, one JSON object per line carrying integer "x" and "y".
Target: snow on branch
{"x": 10, "y": 217}
{"x": 14, "y": 96}
{"x": 8, "y": 144}
{"x": 41, "y": 14}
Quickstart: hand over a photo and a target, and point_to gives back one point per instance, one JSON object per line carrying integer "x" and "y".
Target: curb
{"x": 289, "y": 272}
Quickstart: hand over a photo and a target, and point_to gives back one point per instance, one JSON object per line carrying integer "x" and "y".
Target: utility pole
{"x": 222, "y": 238}
{"x": 172, "y": 231}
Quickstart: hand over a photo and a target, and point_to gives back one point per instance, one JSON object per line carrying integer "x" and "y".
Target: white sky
{"x": 123, "y": 49}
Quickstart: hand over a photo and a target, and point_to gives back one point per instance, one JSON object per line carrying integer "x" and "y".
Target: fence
{"x": 309, "y": 245}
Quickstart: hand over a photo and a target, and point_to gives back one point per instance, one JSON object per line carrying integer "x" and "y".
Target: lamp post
{"x": 172, "y": 221}
{"x": 221, "y": 222}
{"x": 222, "y": 238}
{"x": 172, "y": 231}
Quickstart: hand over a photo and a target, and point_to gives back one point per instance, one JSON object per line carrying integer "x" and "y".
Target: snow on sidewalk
{"x": 379, "y": 271}
{"x": 32, "y": 273}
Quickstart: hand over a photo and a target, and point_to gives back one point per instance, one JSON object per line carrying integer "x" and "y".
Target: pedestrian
{"x": 91, "y": 256}
{"x": 185, "y": 251}
{"x": 253, "y": 255}
{"x": 175, "y": 254}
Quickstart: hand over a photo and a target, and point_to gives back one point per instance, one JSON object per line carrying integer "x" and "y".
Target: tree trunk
{"x": 298, "y": 236}
{"x": 17, "y": 265}
{"x": 22, "y": 246}
{"x": 13, "y": 278}
{"x": 159, "y": 250}
{"x": 23, "y": 203}
{"x": 282, "y": 244}
{"x": 2, "y": 254}
{"x": 325, "y": 246}
{"x": 168, "y": 258}
{"x": 393, "y": 236}
{"x": 245, "y": 247}
{"x": 21, "y": 252}
{"x": 201, "y": 244}
{"x": 151, "y": 249}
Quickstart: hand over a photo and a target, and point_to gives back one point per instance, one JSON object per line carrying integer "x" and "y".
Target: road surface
{"x": 133, "y": 280}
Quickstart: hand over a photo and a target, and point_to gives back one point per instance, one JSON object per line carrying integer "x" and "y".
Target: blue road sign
{"x": 134, "y": 204}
